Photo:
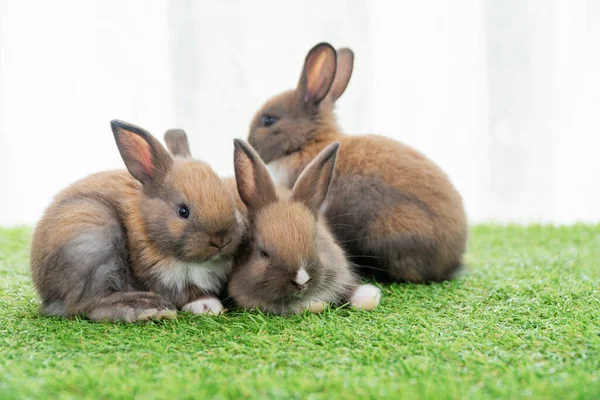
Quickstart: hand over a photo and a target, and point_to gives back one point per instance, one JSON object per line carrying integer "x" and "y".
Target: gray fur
{"x": 89, "y": 275}
{"x": 177, "y": 143}
{"x": 131, "y": 307}
{"x": 56, "y": 308}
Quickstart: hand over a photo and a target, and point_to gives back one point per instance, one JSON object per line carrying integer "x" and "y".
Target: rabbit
{"x": 294, "y": 262}
{"x": 394, "y": 210}
{"x": 137, "y": 244}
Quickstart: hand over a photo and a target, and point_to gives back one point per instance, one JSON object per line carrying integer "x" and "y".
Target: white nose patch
{"x": 301, "y": 277}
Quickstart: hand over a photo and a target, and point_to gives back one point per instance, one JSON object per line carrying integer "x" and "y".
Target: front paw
{"x": 315, "y": 306}
{"x": 366, "y": 297}
{"x": 209, "y": 305}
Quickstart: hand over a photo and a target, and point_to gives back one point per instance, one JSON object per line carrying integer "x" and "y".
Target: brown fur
{"x": 104, "y": 245}
{"x": 288, "y": 237}
{"x": 178, "y": 144}
{"x": 393, "y": 209}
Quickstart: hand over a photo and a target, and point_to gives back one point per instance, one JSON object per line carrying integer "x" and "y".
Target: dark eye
{"x": 183, "y": 211}
{"x": 263, "y": 253}
{"x": 267, "y": 120}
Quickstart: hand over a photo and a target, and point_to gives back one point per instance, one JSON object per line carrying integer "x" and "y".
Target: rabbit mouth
{"x": 222, "y": 255}
{"x": 218, "y": 257}
{"x": 302, "y": 294}
{"x": 212, "y": 256}
{"x": 292, "y": 297}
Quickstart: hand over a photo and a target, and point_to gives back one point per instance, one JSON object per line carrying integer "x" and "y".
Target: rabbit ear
{"x": 313, "y": 183}
{"x": 177, "y": 143}
{"x": 317, "y": 76}
{"x": 343, "y": 72}
{"x": 145, "y": 158}
{"x": 254, "y": 183}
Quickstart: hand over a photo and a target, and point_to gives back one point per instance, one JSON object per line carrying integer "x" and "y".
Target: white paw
{"x": 209, "y": 305}
{"x": 366, "y": 297}
{"x": 315, "y": 306}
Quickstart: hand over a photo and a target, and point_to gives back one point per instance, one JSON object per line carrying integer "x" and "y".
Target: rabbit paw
{"x": 209, "y": 305}
{"x": 366, "y": 297}
{"x": 315, "y": 306}
{"x": 155, "y": 314}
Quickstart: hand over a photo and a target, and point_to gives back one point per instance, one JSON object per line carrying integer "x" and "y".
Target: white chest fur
{"x": 279, "y": 173}
{"x": 209, "y": 276}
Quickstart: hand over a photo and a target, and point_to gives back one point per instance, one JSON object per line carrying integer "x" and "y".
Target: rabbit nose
{"x": 220, "y": 239}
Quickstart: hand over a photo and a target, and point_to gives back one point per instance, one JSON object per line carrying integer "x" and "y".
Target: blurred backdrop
{"x": 504, "y": 95}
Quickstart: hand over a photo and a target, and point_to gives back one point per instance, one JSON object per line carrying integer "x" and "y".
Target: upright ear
{"x": 317, "y": 76}
{"x": 254, "y": 183}
{"x": 177, "y": 143}
{"x": 343, "y": 73}
{"x": 145, "y": 158}
{"x": 313, "y": 183}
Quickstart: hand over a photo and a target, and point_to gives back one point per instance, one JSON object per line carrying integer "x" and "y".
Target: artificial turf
{"x": 522, "y": 322}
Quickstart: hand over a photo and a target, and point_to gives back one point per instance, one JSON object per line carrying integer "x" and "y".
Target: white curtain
{"x": 504, "y": 95}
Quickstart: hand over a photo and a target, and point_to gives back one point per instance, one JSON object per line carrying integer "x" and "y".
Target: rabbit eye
{"x": 183, "y": 211}
{"x": 263, "y": 253}
{"x": 267, "y": 120}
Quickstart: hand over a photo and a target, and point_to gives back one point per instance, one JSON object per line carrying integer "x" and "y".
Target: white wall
{"x": 503, "y": 95}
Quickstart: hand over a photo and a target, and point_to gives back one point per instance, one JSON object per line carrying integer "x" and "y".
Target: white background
{"x": 504, "y": 95}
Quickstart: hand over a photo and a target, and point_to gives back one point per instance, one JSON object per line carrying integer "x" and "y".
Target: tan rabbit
{"x": 137, "y": 244}
{"x": 393, "y": 209}
{"x": 294, "y": 262}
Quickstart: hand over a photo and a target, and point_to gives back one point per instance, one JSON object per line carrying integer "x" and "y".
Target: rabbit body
{"x": 294, "y": 262}
{"x": 137, "y": 245}
{"x": 394, "y": 210}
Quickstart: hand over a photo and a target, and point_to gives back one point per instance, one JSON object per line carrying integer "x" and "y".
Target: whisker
{"x": 341, "y": 215}
{"x": 368, "y": 267}
{"x": 361, "y": 266}
{"x": 364, "y": 256}
{"x": 230, "y": 297}
{"x": 357, "y": 239}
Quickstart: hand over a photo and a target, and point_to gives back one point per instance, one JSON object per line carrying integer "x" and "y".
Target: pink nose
{"x": 220, "y": 239}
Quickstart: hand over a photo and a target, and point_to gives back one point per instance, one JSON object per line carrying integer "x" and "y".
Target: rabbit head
{"x": 287, "y": 122}
{"x": 184, "y": 208}
{"x": 290, "y": 258}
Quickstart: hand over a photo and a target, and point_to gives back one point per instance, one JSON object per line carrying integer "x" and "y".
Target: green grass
{"x": 523, "y": 322}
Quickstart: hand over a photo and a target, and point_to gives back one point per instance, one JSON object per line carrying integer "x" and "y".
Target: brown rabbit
{"x": 393, "y": 209}
{"x": 137, "y": 244}
{"x": 294, "y": 262}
